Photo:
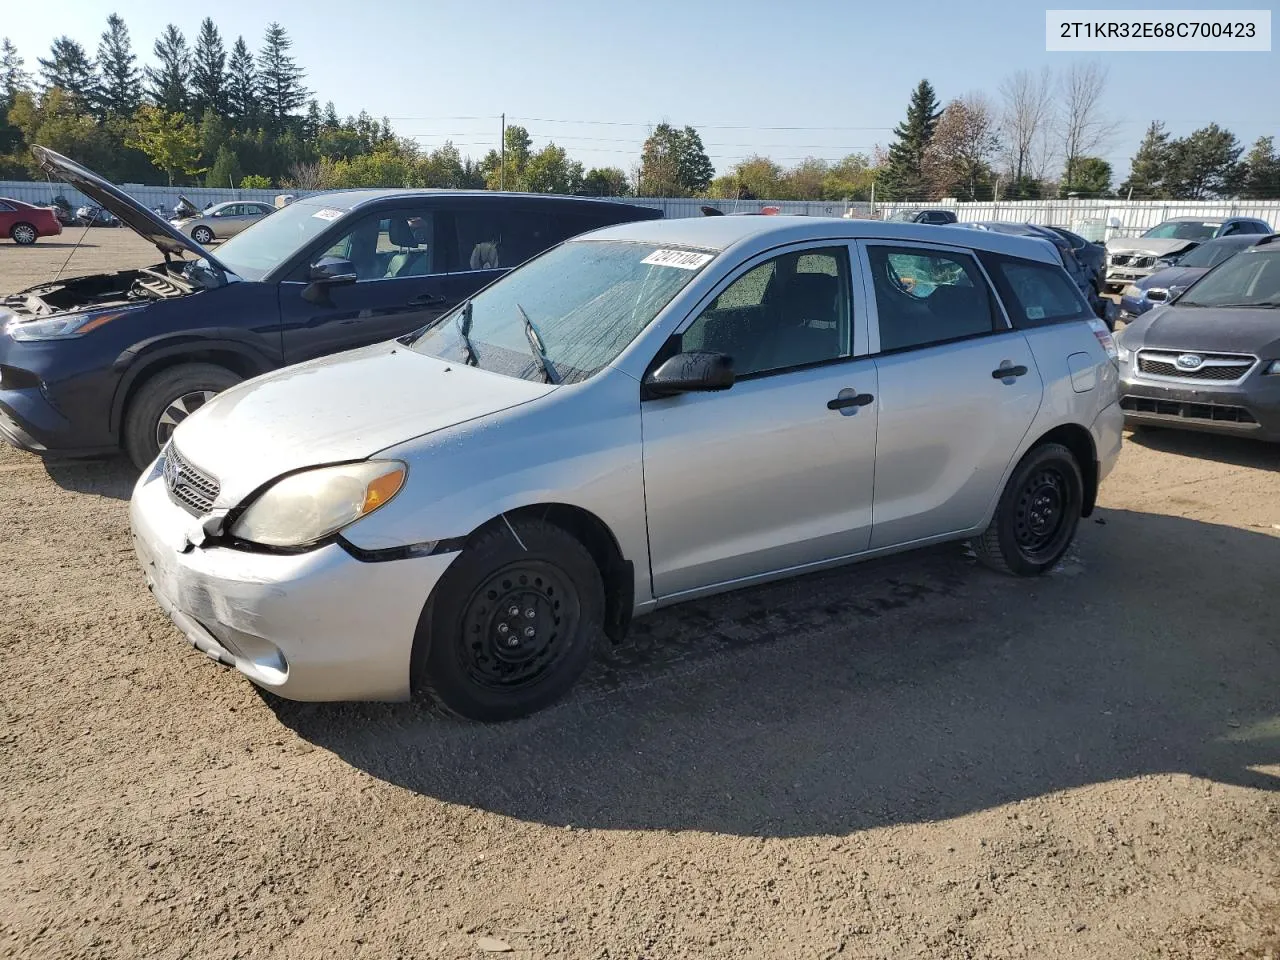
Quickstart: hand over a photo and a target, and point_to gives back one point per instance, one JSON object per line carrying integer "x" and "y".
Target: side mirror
{"x": 333, "y": 270}
{"x": 694, "y": 372}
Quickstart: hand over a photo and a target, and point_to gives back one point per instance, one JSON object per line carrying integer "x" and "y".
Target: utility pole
{"x": 502, "y": 170}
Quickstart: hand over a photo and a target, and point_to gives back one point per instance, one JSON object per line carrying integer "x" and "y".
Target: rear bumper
{"x": 1249, "y": 409}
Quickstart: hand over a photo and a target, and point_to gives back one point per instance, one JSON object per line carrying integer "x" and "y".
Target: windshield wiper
{"x": 539, "y": 351}
{"x": 1256, "y": 305}
{"x": 462, "y": 320}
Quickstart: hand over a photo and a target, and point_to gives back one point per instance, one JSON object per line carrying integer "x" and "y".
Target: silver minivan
{"x": 641, "y": 415}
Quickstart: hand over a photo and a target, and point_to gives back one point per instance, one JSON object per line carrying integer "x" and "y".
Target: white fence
{"x": 1135, "y": 216}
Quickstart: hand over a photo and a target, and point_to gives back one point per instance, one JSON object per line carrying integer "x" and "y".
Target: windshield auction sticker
{"x": 1113, "y": 31}
{"x": 327, "y": 214}
{"x": 682, "y": 259}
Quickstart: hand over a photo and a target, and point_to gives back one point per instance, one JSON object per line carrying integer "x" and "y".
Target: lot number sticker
{"x": 681, "y": 259}
{"x": 327, "y": 214}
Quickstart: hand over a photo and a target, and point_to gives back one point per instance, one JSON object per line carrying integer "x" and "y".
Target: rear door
{"x": 400, "y": 257}
{"x": 958, "y": 389}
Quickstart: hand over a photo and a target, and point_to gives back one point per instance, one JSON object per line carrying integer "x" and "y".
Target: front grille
{"x": 1213, "y": 367}
{"x": 190, "y": 487}
{"x": 1120, "y": 260}
{"x": 1132, "y": 260}
{"x": 1210, "y": 412}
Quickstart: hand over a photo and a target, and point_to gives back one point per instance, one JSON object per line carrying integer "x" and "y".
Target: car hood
{"x": 1170, "y": 277}
{"x": 1208, "y": 330}
{"x": 338, "y": 408}
{"x": 146, "y": 223}
{"x": 1157, "y": 246}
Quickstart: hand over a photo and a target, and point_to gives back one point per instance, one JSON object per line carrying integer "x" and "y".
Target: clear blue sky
{"x": 445, "y": 69}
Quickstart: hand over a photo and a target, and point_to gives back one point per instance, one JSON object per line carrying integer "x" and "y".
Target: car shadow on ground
{"x": 112, "y": 477}
{"x": 904, "y": 690}
{"x": 1239, "y": 451}
{"x": 55, "y": 244}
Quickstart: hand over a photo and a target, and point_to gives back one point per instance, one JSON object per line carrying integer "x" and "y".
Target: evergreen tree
{"x": 119, "y": 87}
{"x": 902, "y": 178}
{"x": 169, "y": 80}
{"x": 695, "y": 167}
{"x": 279, "y": 77}
{"x": 70, "y": 70}
{"x": 311, "y": 126}
{"x": 1149, "y": 169}
{"x": 1205, "y": 163}
{"x": 331, "y": 116}
{"x": 1262, "y": 171}
{"x": 208, "y": 70}
{"x": 12, "y": 75}
{"x": 242, "y": 87}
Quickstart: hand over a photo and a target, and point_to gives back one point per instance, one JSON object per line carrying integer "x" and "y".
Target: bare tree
{"x": 1083, "y": 127}
{"x": 1025, "y": 120}
{"x": 957, "y": 160}
{"x": 308, "y": 176}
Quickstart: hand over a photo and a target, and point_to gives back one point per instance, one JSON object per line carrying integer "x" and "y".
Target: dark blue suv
{"x": 94, "y": 364}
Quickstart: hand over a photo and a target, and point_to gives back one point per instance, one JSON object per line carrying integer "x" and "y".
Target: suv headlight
{"x": 306, "y": 507}
{"x": 59, "y": 328}
{"x": 1272, "y": 369}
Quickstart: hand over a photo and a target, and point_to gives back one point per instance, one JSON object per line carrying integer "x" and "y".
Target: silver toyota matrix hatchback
{"x": 639, "y": 416}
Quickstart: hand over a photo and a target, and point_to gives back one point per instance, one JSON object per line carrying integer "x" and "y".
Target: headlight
{"x": 1272, "y": 369}
{"x": 306, "y": 507}
{"x": 58, "y": 328}
{"x": 1131, "y": 291}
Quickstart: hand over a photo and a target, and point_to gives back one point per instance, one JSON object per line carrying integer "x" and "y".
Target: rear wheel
{"x": 202, "y": 235}
{"x": 513, "y": 623}
{"x": 1038, "y": 514}
{"x": 165, "y": 401}
{"x": 23, "y": 234}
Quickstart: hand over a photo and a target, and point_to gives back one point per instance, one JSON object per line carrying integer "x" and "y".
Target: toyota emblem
{"x": 1189, "y": 361}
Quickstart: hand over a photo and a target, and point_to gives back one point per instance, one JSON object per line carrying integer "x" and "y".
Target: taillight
{"x": 1105, "y": 338}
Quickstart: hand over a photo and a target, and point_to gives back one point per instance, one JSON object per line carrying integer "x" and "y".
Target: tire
{"x": 23, "y": 234}
{"x": 467, "y": 656}
{"x": 202, "y": 235}
{"x": 164, "y": 401}
{"x": 1037, "y": 516}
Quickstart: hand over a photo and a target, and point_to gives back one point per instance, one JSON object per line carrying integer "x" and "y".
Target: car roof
{"x": 721, "y": 233}
{"x": 1202, "y": 219}
{"x": 358, "y": 197}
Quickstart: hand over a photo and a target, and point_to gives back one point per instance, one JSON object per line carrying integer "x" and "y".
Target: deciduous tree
{"x": 170, "y": 140}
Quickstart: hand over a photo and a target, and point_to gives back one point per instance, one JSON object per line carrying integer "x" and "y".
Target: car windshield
{"x": 1249, "y": 280}
{"x": 586, "y": 299}
{"x": 1183, "y": 230}
{"x": 269, "y": 242}
{"x": 1211, "y": 254}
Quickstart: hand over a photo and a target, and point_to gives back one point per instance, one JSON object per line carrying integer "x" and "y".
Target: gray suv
{"x": 1130, "y": 259}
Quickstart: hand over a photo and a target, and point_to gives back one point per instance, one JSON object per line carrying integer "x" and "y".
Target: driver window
{"x": 390, "y": 247}
{"x": 791, "y": 311}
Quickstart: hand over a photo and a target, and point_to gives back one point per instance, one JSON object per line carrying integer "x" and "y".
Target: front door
{"x": 958, "y": 389}
{"x": 775, "y": 472}
{"x": 400, "y": 287}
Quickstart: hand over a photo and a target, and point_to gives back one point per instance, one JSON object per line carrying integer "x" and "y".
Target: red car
{"x": 23, "y": 223}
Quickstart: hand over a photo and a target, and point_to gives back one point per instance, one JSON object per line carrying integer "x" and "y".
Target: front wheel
{"x": 166, "y": 400}
{"x": 513, "y": 623}
{"x": 202, "y": 235}
{"x": 1037, "y": 516}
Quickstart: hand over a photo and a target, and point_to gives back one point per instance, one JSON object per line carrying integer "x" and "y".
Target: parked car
{"x": 92, "y": 215}
{"x": 24, "y": 223}
{"x": 645, "y": 414}
{"x": 1163, "y": 285}
{"x": 222, "y": 220}
{"x": 1086, "y": 277}
{"x": 923, "y": 216}
{"x": 62, "y": 209}
{"x": 99, "y": 363}
{"x": 1129, "y": 259}
{"x": 1092, "y": 255}
{"x": 1210, "y": 359}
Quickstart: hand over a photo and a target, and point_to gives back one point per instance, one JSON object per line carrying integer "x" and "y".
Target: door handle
{"x": 1002, "y": 373}
{"x": 428, "y": 300}
{"x": 850, "y": 400}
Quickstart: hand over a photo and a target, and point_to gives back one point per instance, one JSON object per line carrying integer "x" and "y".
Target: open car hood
{"x": 144, "y": 222}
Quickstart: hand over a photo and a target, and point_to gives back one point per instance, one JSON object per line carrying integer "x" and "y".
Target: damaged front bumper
{"x": 319, "y": 625}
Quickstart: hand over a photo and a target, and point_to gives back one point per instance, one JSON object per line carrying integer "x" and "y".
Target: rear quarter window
{"x": 1035, "y": 294}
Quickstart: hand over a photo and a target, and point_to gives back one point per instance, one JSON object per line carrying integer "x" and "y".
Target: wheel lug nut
{"x": 530, "y": 613}
{"x": 513, "y": 612}
{"x": 529, "y": 631}
{"x": 513, "y": 641}
{"x": 503, "y": 628}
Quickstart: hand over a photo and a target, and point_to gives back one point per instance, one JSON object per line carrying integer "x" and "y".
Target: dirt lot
{"x": 909, "y": 758}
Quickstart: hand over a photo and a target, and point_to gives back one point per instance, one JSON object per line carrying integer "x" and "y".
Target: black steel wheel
{"x": 512, "y": 624}
{"x": 1038, "y": 513}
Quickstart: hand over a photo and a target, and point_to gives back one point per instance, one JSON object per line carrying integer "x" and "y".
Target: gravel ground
{"x": 908, "y": 758}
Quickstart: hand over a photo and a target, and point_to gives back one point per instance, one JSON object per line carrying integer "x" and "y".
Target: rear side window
{"x": 1036, "y": 294}
{"x": 498, "y": 237}
{"x": 926, "y": 296}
